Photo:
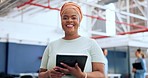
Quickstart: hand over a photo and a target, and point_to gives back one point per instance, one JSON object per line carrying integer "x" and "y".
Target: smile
{"x": 70, "y": 26}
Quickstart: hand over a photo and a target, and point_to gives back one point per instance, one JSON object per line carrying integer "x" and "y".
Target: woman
{"x": 105, "y": 52}
{"x": 72, "y": 42}
{"x": 140, "y": 73}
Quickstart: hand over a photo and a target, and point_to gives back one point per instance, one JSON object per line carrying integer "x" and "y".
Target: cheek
{"x": 77, "y": 23}
{"x": 137, "y": 54}
{"x": 63, "y": 23}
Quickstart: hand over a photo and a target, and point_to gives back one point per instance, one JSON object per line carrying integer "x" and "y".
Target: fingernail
{"x": 61, "y": 63}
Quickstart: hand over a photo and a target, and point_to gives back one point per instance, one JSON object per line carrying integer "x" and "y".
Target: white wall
{"x": 41, "y": 27}
{"x": 38, "y": 28}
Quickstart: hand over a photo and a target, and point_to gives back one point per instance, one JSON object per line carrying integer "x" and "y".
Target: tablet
{"x": 137, "y": 65}
{"x": 71, "y": 60}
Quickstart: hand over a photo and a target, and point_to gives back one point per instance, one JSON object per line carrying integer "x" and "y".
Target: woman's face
{"x": 70, "y": 21}
{"x": 105, "y": 52}
{"x": 137, "y": 54}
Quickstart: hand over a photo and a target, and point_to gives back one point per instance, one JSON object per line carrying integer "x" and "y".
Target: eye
{"x": 65, "y": 18}
{"x": 74, "y": 18}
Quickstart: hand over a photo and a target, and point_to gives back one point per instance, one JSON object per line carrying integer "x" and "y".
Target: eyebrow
{"x": 72, "y": 15}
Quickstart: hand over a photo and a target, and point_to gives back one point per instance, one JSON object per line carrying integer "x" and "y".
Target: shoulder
{"x": 87, "y": 39}
{"x": 54, "y": 42}
{"x": 141, "y": 60}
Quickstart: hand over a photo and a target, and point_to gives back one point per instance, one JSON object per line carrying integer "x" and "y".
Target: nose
{"x": 69, "y": 20}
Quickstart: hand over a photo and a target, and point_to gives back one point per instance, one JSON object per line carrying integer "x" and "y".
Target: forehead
{"x": 105, "y": 50}
{"x": 136, "y": 52}
{"x": 70, "y": 11}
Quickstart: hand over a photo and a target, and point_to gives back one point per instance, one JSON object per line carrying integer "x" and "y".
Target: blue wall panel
{"x": 2, "y": 56}
{"x": 24, "y": 58}
{"x": 121, "y": 63}
{"x": 118, "y": 62}
{"x": 111, "y": 62}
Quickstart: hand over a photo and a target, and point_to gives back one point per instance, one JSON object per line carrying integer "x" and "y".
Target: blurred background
{"x": 27, "y": 26}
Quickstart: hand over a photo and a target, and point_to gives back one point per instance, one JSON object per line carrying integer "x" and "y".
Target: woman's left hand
{"x": 133, "y": 70}
{"x": 75, "y": 71}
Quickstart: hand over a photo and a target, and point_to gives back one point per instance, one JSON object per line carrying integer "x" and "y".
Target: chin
{"x": 69, "y": 33}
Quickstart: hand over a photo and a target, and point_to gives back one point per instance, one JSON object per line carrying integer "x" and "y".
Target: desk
{"x": 114, "y": 75}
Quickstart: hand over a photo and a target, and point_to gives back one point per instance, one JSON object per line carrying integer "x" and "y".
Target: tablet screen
{"x": 71, "y": 60}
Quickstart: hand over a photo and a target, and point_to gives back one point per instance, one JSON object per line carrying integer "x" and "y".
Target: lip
{"x": 70, "y": 25}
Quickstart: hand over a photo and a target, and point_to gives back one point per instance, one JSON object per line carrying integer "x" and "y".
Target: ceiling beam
{"x": 117, "y": 11}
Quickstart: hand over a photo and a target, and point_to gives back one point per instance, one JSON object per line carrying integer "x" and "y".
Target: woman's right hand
{"x": 55, "y": 74}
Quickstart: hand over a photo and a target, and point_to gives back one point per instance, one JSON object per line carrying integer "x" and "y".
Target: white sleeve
{"x": 45, "y": 57}
{"x": 96, "y": 53}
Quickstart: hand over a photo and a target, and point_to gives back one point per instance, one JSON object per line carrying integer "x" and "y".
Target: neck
{"x": 70, "y": 37}
{"x": 139, "y": 56}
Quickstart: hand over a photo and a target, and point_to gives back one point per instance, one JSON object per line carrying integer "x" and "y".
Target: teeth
{"x": 70, "y": 26}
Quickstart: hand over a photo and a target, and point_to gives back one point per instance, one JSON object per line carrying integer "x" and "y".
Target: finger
{"x": 63, "y": 70}
{"x": 77, "y": 67}
{"x": 54, "y": 71}
{"x": 57, "y": 70}
{"x": 66, "y": 66}
{"x": 55, "y": 75}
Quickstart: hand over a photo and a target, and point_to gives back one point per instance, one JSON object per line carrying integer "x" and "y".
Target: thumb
{"x": 76, "y": 66}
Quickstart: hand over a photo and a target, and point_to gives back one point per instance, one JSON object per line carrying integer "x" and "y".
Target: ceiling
{"x": 6, "y": 6}
{"x": 130, "y": 14}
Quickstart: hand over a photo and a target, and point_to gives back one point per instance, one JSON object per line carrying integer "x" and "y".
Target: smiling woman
{"x": 72, "y": 42}
{"x": 70, "y": 22}
{"x": 71, "y": 17}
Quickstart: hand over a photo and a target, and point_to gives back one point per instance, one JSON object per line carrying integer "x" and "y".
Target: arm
{"x": 98, "y": 61}
{"x": 143, "y": 63}
{"x": 43, "y": 73}
{"x": 97, "y": 71}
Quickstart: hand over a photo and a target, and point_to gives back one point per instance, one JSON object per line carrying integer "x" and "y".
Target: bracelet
{"x": 85, "y": 74}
